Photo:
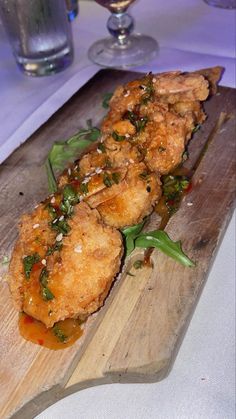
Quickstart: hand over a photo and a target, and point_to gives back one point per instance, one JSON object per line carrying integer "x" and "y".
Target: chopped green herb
{"x": 47, "y": 294}
{"x": 43, "y": 277}
{"x": 196, "y": 128}
{"x": 55, "y": 248}
{"x": 149, "y": 90}
{"x": 64, "y": 152}
{"x": 173, "y": 186}
{"x": 84, "y": 188}
{"x": 52, "y": 211}
{"x": 116, "y": 177}
{"x": 59, "y": 333}
{"x": 136, "y": 120}
{"x": 45, "y": 291}
{"x": 138, "y": 264}
{"x": 101, "y": 147}
{"x": 5, "y": 260}
{"x": 28, "y": 263}
{"x": 109, "y": 180}
{"x": 106, "y": 99}
{"x": 118, "y": 137}
{"x": 61, "y": 226}
{"x": 144, "y": 175}
{"x": 69, "y": 194}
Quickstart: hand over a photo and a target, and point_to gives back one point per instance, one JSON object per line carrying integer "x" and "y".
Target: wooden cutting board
{"x": 136, "y": 335}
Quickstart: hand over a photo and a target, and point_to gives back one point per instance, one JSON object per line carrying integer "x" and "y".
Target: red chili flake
{"x": 189, "y": 187}
{"x": 28, "y": 319}
{"x": 171, "y": 202}
{"x": 40, "y": 341}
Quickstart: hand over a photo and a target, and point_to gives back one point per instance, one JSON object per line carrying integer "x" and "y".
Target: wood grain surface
{"x": 136, "y": 335}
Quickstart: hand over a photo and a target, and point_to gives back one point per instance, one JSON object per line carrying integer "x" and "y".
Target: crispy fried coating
{"x": 79, "y": 276}
{"x": 140, "y": 190}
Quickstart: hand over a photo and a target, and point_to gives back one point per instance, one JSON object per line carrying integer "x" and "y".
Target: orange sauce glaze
{"x": 36, "y": 332}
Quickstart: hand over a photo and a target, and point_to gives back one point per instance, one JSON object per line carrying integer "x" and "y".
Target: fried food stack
{"x": 69, "y": 248}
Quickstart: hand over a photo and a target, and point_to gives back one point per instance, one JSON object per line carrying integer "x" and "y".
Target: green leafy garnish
{"x": 109, "y": 180}
{"x": 62, "y": 152}
{"x": 61, "y": 226}
{"x": 5, "y": 260}
{"x": 196, "y": 128}
{"x": 45, "y": 291}
{"x": 149, "y": 90}
{"x": 138, "y": 121}
{"x": 55, "y": 248}
{"x": 118, "y": 137}
{"x": 138, "y": 264}
{"x": 130, "y": 234}
{"x": 28, "y": 263}
{"x": 101, "y": 147}
{"x": 59, "y": 333}
{"x": 158, "y": 239}
{"x": 70, "y": 198}
{"x": 162, "y": 241}
{"x": 106, "y": 99}
{"x": 47, "y": 294}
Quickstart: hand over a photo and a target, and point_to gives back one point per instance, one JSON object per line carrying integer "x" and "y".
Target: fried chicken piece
{"x": 169, "y": 88}
{"x": 139, "y": 192}
{"x": 77, "y": 278}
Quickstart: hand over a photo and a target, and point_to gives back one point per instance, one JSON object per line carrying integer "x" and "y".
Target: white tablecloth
{"x": 191, "y": 35}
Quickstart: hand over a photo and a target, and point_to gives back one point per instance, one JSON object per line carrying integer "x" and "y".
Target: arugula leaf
{"x": 106, "y": 99}
{"x": 62, "y": 152}
{"x": 157, "y": 238}
{"x": 130, "y": 234}
{"x": 162, "y": 241}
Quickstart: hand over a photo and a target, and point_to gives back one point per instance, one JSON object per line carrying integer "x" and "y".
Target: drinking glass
{"x": 122, "y": 50}
{"x": 40, "y": 34}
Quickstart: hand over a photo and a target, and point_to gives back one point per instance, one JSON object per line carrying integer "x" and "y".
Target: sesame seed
{"x": 35, "y": 226}
{"x": 127, "y": 93}
{"x": 99, "y": 151}
{"x": 55, "y": 221}
{"x": 131, "y": 161}
{"x": 189, "y": 204}
{"x": 127, "y": 135}
{"x": 86, "y": 180}
{"x": 154, "y": 80}
{"x": 36, "y": 206}
{"x": 53, "y": 200}
{"x": 59, "y": 237}
{"x": 98, "y": 170}
{"x": 44, "y": 262}
{"x": 61, "y": 218}
{"x": 78, "y": 249}
{"x": 69, "y": 171}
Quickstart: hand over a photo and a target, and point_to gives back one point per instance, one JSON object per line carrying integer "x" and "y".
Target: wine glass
{"x": 122, "y": 50}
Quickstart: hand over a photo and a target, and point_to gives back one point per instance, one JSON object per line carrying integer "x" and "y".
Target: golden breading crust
{"x": 79, "y": 276}
{"x": 140, "y": 191}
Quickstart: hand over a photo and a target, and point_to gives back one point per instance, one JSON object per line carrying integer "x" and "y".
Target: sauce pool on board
{"x": 62, "y": 335}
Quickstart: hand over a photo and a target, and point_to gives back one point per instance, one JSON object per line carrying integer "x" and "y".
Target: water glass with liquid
{"x": 40, "y": 34}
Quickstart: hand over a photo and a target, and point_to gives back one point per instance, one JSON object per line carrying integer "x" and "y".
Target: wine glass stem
{"x": 120, "y": 25}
